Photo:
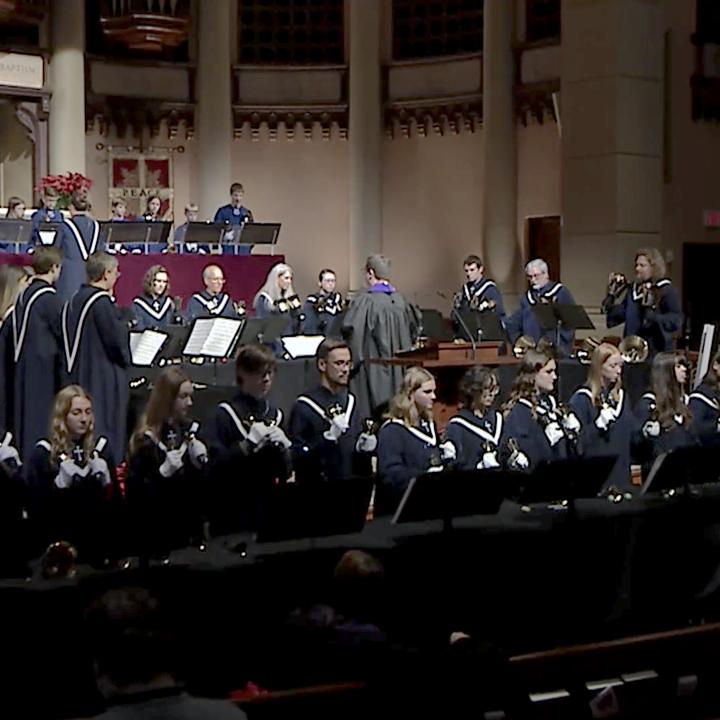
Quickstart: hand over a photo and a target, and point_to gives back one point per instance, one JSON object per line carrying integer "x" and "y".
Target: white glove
{"x": 258, "y": 433}
{"x": 651, "y": 429}
{"x": 99, "y": 469}
{"x": 366, "y": 443}
{"x": 447, "y": 451}
{"x": 489, "y": 461}
{"x": 571, "y": 423}
{"x": 519, "y": 461}
{"x": 66, "y": 474}
{"x": 8, "y": 453}
{"x": 338, "y": 427}
{"x": 435, "y": 468}
{"x": 278, "y": 437}
{"x": 198, "y": 453}
{"x": 606, "y": 417}
{"x": 554, "y": 433}
{"x": 172, "y": 463}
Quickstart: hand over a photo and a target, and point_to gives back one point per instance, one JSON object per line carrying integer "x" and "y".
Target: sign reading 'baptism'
{"x": 24, "y": 71}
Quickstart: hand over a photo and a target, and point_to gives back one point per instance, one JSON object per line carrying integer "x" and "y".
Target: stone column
{"x": 214, "y": 121}
{"x": 499, "y": 193}
{"x": 612, "y": 110}
{"x": 67, "y": 83}
{"x": 364, "y": 135}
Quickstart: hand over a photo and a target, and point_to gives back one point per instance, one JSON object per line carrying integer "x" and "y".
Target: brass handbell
{"x": 522, "y": 345}
{"x": 617, "y": 283}
{"x": 586, "y": 349}
{"x": 634, "y": 349}
{"x": 59, "y": 561}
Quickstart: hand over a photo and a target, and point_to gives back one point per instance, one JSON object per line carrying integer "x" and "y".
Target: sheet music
{"x": 302, "y": 345}
{"x": 144, "y": 346}
{"x": 47, "y": 237}
{"x": 706, "y": 343}
{"x": 212, "y": 337}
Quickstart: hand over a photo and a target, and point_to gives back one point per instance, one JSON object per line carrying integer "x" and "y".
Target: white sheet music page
{"x": 198, "y": 336}
{"x": 212, "y": 337}
{"x": 302, "y": 345}
{"x": 145, "y": 345}
{"x": 47, "y": 237}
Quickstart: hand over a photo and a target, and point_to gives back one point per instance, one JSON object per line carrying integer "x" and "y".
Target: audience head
{"x": 327, "y": 280}
{"x": 414, "y": 401}
{"x": 156, "y": 281}
{"x": 47, "y": 260}
{"x": 13, "y": 280}
{"x": 473, "y": 267}
{"x": 16, "y": 208}
{"x": 119, "y": 208}
{"x": 49, "y": 198}
{"x": 72, "y": 421}
{"x": 237, "y": 193}
{"x": 606, "y": 367}
{"x": 255, "y": 369}
{"x": 102, "y": 270}
{"x": 359, "y": 578}
{"x": 478, "y": 388}
{"x": 213, "y": 279}
{"x": 192, "y": 212}
{"x": 153, "y": 205}
{"x": 377, "y": 269}
{"x": 334, "y": 361}
{"x": 649, "y": 265}
{"x": 537, "y": 274}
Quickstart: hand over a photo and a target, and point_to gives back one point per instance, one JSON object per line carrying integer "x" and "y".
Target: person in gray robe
{"x": 379, "y": 324}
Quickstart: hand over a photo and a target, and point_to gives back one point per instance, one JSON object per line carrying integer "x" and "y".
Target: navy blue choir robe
{"x": 320, "y": 309}
{"x": 528, "y": 431}
{"x": 524, "y": 321}
{"x": 37, "y": 342}
{"x": 473, "y": 436}
{"x": 681, "y": 434}
{"x": 314, "y": 456}
{"x": 403, "y": 453}
{"x": 658, "y": 326}
{"x": 205, "y": 305}
{"x": 477, "y": 295}
{"x": 42, "y": 217}
{"x": 704, "y": 405}
{"x": 7, "y": 374}
{"x": 78, "y": 238}
{"x": 97, "y": 357}
{"x": 614, "y": 441}
{"x": 229, "y": 215}
{"x": 153, "y": 312}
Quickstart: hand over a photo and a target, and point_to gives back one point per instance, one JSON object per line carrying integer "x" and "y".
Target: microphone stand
{"x": 466, "y": 330}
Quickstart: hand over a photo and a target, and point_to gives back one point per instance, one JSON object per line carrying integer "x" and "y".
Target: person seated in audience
{"x": 167, "y": 470}
{"x": 234, "y": 216}
{"x": 603, "y": 409}
{"x": 704, "y": 405}
{"x": 535, "y": 428}
{"x": 153, "y": 206}
{"x": 542, "y": 291}
{"x": 408, "y": 443}
{"x": 136, "y": 661}
{"x": 325, "y": 427}
{"x": 192, "y": 212}
{"x": 212, "y": 301}
{"x": 278, "y": 297}
{"x": 251, "y": 452}
{"x": 475, "y": 431}
{"x": 15, "y": 208}
{"x": 71, "y": 480}
{"x": 155, "y": 308}
{"x": 323, "y": 306}
{"x": 663, "y": 415}
{"x": 46, "y": 214}
{"x": 119, "y": 211}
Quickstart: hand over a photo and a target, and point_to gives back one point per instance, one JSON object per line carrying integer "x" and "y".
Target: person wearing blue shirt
{"x": 542, "y": 291}
{"x": 235, "y": 215}
{"x": 46, "y": 214}
{"x": 191, "y": 215}
{"x": 212, "y": 301}
{"x": 323, "y": 306}
{"x": 119, "y": 211}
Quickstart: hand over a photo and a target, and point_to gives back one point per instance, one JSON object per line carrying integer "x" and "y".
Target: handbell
{"x": 634, "y": 349}
{"x": 617, "y": 283}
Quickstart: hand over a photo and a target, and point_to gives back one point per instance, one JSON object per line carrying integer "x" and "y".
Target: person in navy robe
{"x": 46, "y": 214}
{"x": 542, "y": 290}
{"x": 96, "y": 349}
{"x": 37, "y": 342}
{"x": 475, "y": 431}
{"x": 212, "y": 301}
{"x": 704, "y": 404}
{"x": 478, "y": 294}
{"x": 536, "y": 430}
{"x": 322, "y": 307}
{"x": 155, "y": 308}
{"x": 234, "y": 216}
{"x": 78, "y": 238}
{"x": 663, "y": 414}
{"x": 167, "y": 471}
{"x": 71, "y": 481}
{"x": 602, "y": 406}
{"x": 278, "y": 297}
{"x": 329, "y": 439}
{"x": 408, "y": 442}
{"x": 651, "y": 306}
{"x": 251, "y": 451}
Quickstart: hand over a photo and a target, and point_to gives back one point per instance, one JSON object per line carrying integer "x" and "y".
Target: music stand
{"x": 453, "y": 494}
{"x": 683, "y": 467}
{"x": 435, "y": 326}
{"x": 204, "y": 233}
{"x": 146, "y": 346}
{"x": 263, "y": 331}
{"x": 321, "y": 509}
{"x": 334, "y": 327}
{"x": 485, "y": 326}
{"x": 136, "y": 233}
{"x": 258, "y": 234}
{"x": 214, "y": 337}
{"x": 559, "y": 316}
{"x": 172, "y": 349}
{"x": 15, "y": 232}
{"x": 49, "y": 232}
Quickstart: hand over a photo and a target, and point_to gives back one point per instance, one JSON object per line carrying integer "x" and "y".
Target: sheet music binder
{"x": 485, "y": 326}
{"x": 136, "y": 233}
{"x": 204, "y": 233}
{"x": 213, "y": 337}
{"x": 146, "y": 346}
{"x": 554, "y": 316}
{"x": 683, "y": 467}
{"x": 263, "y": 330}
{"x": 259, "y": 234}
{"x": 298, "y": 346}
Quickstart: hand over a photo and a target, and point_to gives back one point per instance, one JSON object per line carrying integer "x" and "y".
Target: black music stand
{"x": 172, "y": 350}
{"x": 296, "y": 510}
{"x": 136, "y": 233}
{"x": 263, "y": 331}
{"x": 557, "y": 317}
{"x": 258, "y": 234}
{"x": 453, "y": 494}
{"x": 683, "y": 468}
{"x": 434, "y": 325}
{"x": 334, "y": 327}
{"x": 204, "y": 233}
{"x": 15, "y": 232}
{"x": 484, "y": 326}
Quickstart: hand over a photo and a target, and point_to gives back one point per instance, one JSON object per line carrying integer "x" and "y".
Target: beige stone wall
{"x": 16, "y": 158}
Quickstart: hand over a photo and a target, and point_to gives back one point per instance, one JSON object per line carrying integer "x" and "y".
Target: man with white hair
{"x": 212, "y": 301}
{"x": 542, "y": 291}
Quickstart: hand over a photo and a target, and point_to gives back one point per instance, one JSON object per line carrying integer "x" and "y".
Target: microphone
{"x": 457, "y": 316}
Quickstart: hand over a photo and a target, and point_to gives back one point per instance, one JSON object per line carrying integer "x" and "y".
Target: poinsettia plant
{"x": 65, "y": 186}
